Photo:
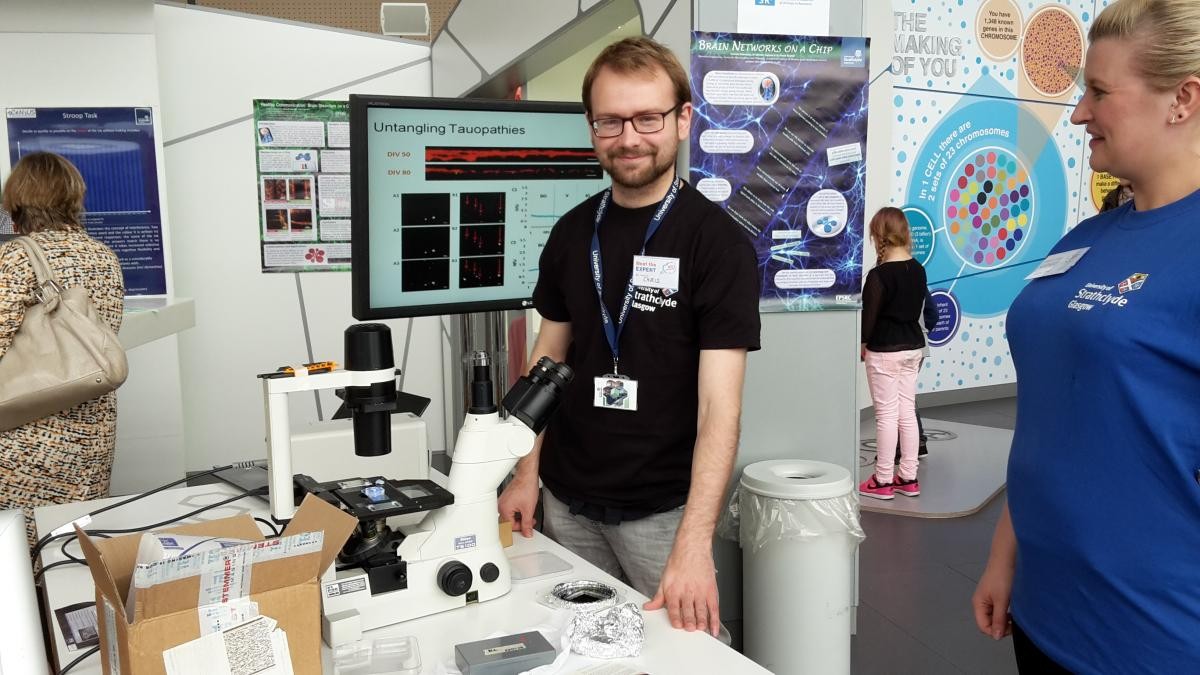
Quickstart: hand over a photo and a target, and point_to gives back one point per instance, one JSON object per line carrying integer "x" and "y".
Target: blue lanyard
{"x": 612, "y": 330}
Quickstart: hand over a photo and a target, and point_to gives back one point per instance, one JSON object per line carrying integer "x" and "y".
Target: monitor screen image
{"x": 453, "y": 199}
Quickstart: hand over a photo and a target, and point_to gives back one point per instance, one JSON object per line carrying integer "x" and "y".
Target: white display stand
{"x": 148, "y": 319}
{"x": 150, "y": 443}
{"x": 666, "y": 650}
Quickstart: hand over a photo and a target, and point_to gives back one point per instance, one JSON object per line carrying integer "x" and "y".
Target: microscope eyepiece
{"x": 559, "y": 373}
{"x": 535, "y": 397}
{"x": 483, "y": 397}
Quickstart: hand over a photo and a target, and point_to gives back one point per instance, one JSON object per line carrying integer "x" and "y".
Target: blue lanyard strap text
{"x": 612, "y": 330}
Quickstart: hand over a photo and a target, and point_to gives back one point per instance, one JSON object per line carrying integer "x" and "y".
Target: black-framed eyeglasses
{"x": 643, "y": 123}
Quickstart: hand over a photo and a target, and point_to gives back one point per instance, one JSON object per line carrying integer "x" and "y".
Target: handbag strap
{"x": 41, "y": 267}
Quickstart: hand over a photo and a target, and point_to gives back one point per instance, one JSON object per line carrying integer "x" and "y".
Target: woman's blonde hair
{"x": 889, "y": 228}
{"x": 1167, "y": 33}
{"x": 44, "y": 192}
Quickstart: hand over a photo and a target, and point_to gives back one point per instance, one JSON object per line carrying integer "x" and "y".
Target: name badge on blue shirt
{"x": 1058, "y": 263}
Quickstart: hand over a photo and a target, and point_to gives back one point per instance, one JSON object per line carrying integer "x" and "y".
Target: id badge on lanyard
{"x": 614, "y": 390}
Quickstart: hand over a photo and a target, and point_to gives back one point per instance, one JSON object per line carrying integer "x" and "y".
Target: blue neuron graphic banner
{"x": 114, "y": 150}
{"x": 779, "y": 140}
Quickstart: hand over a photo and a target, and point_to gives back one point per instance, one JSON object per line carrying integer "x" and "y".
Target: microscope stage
{"x": 376, "y": 497}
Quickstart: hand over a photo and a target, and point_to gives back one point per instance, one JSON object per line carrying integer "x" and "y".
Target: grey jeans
{"x": 634, "y": 551}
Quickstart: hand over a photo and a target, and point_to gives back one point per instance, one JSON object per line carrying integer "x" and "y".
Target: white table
{"x": 666, "y": 650}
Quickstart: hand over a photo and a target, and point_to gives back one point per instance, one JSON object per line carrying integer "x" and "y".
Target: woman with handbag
{"x": 67, "y": 455}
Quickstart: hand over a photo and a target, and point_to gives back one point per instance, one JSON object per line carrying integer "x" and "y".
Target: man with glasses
{"x": 651, "y": 284}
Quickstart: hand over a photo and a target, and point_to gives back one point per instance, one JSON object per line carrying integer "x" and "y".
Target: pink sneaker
{"x": 871, "y": 488}
{"x": 908, "y": 488}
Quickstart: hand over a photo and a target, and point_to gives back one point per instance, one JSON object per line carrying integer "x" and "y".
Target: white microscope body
{"x": 453, "y": 555}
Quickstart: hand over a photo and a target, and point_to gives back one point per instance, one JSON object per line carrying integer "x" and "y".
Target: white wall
{"x": 212, "y": 64}
{"x": 877, "y": 24}
{"x": 60, "y": 53}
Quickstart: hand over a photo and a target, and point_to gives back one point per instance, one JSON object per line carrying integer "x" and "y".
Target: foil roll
{"x": 613, "y": 633}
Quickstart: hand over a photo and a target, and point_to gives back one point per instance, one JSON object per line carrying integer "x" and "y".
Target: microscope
{"x": 390, "y": 572}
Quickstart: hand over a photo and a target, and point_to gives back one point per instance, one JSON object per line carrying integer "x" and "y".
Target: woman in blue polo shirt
{"x": 1099, "y": 546}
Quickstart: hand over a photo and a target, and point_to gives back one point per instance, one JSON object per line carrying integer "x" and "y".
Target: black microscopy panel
{"x": 424, "y": 242}
{"x": 425, "y": 209}
{"x": 424, "y": 275}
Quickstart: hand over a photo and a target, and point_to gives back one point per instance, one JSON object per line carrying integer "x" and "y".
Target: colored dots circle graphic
{"x": 1052, "y": 51}
{"x": 988, "y": 230}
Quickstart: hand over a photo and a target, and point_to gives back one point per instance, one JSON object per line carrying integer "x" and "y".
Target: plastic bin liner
{"x": 754, "y": 521}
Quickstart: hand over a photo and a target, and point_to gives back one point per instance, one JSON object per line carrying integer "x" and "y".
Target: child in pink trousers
{"x": 892, "y": 343}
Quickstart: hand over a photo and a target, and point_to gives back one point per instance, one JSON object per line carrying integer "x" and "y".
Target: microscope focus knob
{"x": 489, "y": 572}
{"x": 454, "y": 578}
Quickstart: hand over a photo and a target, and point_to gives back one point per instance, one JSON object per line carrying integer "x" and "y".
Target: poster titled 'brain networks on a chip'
{"x": 779, "y": 140}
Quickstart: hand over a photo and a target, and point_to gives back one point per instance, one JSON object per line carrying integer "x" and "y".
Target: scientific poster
{"x": 303, "y": 156}
{"x": 115, "y": 152}
{"x": 989, "y": 169}
{"x": 783, "y": 17}
{"x": 779, "y": 140}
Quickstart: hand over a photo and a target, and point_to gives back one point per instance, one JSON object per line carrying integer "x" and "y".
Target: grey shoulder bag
{"x": 62, "y": 355}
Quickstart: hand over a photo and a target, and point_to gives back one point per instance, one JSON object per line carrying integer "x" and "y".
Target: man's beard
{"x": 636, "y": 178}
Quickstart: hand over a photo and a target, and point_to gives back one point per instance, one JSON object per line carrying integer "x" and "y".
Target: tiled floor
{"x": 916, "y": 578}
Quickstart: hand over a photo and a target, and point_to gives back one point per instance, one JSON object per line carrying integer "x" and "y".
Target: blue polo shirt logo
{"x": 1132, "y": 283}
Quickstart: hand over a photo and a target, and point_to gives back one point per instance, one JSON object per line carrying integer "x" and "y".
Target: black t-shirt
{"x": 641, "y": 461}
{"x": 893, "y": 296}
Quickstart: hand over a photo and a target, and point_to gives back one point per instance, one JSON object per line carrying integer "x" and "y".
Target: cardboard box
{"x": 280, "y": 575}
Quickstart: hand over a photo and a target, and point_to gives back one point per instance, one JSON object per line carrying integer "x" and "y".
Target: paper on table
{"x": 256, "y": 647}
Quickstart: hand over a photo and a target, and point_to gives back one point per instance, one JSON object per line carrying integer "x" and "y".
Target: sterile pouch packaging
{"x": 381, "y": 656}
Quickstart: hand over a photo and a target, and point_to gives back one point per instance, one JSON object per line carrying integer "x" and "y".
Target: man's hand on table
{"x": 688, "y": 589}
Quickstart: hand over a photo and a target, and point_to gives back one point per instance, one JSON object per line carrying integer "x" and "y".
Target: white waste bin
{"x": 799, "y": 529}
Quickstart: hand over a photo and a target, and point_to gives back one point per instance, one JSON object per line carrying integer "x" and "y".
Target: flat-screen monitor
{"x": 453, "y": 199}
